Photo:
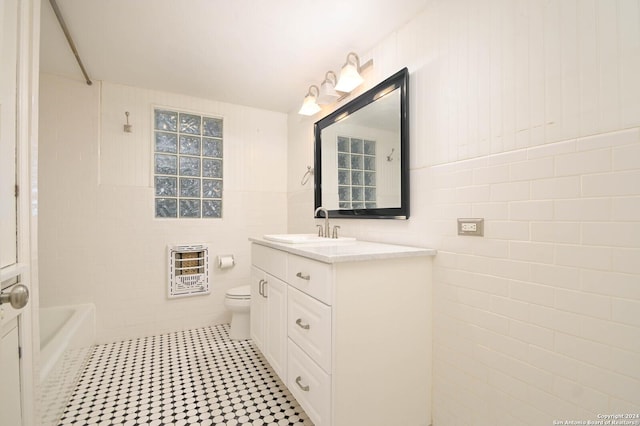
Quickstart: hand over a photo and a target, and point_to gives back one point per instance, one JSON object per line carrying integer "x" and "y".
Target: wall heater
{"x": 188, "y": 270}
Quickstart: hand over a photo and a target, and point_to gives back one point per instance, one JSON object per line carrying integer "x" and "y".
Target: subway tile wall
{"x": 537, "y": 321}
{"x": 526, "y": 113}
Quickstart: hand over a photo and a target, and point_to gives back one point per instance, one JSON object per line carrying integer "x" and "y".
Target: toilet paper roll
{"x": 226, "y": 261}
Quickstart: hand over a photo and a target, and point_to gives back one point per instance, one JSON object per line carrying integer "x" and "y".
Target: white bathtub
{"x": 67, "y": 334}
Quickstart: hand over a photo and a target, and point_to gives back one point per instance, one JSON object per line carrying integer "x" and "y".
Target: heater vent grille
{"x": 188, "y": 270}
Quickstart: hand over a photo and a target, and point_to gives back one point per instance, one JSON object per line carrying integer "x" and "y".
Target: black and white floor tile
{"x": 193, "y": 377}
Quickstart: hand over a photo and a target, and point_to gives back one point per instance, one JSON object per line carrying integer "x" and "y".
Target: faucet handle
{"x": 320, "y": 231}
{"x": 335, "y": 231}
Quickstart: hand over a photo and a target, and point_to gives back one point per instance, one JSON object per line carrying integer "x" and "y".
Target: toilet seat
{"x": 242, "y": 292}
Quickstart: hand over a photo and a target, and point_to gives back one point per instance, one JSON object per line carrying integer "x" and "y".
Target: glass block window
{"x": 187, "y": 165}
{"x": 356, "y": 173}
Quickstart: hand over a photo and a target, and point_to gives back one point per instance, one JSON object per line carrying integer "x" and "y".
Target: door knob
{"x": 17, "y": 297}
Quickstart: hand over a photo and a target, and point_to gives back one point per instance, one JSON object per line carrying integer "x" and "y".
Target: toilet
{"x": 238, "y": 301}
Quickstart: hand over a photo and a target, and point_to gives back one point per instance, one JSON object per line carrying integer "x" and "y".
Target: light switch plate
{"x": 471, "y": 226}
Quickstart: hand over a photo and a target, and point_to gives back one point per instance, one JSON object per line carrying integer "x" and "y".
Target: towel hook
{"x": 307, "y": 175}
{"x": 127, "y": 127}
{"x": 390, "y": 156}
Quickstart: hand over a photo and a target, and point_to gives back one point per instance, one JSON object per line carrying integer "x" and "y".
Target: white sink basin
{"x": 305, "y": 239}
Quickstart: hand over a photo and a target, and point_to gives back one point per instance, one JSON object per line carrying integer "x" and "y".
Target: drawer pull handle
{"x": 304, "y": 277}
{"x": 301, "y": 325}
{"x": 264, "y": 289}
{"x": 260, "y": 287}
{"x": 304, "y": 388}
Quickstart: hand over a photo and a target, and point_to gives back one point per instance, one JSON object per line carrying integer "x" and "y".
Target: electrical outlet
{"x": 471, "y": 226}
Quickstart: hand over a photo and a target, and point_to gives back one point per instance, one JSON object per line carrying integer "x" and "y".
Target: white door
{"x": 10, "y": 400}
{"x": 8, "y": 87}
{"x": 10, "y": 403}
{"x": 19, "y": 21}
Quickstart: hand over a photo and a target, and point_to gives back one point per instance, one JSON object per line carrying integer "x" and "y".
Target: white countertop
{"x": 348, "y": 251}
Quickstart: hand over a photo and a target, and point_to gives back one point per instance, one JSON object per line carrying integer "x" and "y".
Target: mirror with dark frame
{"x": 362, "y": 154}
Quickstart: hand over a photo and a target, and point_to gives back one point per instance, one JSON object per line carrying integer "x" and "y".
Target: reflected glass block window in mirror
{"x": 187, "y": 165}
{"x": 356, "y": 173}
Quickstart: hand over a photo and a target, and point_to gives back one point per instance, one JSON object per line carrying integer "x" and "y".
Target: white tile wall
{"x": 98, "y": 239}
{"x": 525, "y": 113}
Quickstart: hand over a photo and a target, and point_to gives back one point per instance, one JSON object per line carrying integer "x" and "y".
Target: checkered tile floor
{"x": 193, "y": 377}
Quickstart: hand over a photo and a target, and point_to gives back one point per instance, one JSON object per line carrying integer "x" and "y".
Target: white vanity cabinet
{"x": 358, "y": 331}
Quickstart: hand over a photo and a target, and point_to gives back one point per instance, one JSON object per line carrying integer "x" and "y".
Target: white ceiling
{"x": 258, "y": 53}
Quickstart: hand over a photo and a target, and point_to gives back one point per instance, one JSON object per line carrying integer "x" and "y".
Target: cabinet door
{"x": 276, "y": 332}
{"x": 258, "y": 309}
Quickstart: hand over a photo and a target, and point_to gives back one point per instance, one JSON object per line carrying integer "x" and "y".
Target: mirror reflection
{"x": 360, "y": 167}
{"x": 362, "y": 152}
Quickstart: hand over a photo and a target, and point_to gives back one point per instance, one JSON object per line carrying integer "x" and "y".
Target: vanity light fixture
{"x": 350, "y": 77}
{"x": 328, "y": 94}
{"x": 334, "y": 89}
{"x": 310, "y": 105}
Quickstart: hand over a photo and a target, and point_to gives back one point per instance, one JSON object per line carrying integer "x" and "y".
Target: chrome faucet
{"x": 327, "y": 228}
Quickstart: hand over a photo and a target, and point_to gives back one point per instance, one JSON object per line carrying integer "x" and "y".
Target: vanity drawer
{"x": 269, "y": 260}
{"x": 309, "y": 325}
{"x": 311, "y": 277}
{"x": 310, "y": 385}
